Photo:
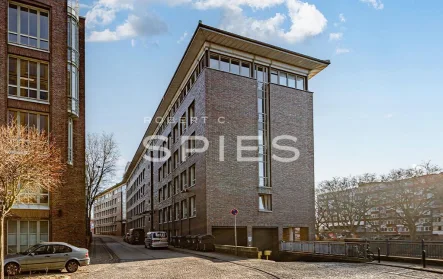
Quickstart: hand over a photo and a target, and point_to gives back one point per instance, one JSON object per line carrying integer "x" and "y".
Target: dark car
{"x": 136, "y": 236}
{"x": 126, "y": 237}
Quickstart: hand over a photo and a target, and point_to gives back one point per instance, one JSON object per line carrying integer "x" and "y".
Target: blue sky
{"x": 376, "y": 107}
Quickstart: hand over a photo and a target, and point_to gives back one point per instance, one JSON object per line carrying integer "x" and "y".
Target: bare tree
{"x": 29, "y": 162}
{"x": 102, "y": 155}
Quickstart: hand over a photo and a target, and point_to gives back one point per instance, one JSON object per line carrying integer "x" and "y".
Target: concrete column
{"x": 249, "y": 233}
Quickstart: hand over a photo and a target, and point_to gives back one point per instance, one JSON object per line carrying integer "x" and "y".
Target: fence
{"x": 434, "y": 250}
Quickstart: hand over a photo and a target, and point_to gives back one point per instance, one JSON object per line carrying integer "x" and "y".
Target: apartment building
{"x": 383, "y": 217}
{"x": 42, "y": 84}
{"x": 224, "y": 87}
{"x": 110, "y": 211}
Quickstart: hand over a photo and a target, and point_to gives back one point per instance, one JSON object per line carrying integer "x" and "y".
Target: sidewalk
{"x": 211, "y": 255}
{"x": 429, "y": 268}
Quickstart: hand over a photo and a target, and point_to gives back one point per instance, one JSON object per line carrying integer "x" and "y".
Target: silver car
{"x": 47, "y": 256}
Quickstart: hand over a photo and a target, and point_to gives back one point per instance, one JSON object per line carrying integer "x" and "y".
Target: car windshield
{"x": 30, "y": 249}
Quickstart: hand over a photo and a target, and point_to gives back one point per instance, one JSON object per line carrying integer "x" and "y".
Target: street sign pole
{"x": 235, "y": 234}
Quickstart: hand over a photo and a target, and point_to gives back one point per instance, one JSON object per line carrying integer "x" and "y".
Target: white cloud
{"x": 376, "y": 4}
{"x": 182, "y": 38}
{"x": 305, "y": 21}
{"x": 342, "y": 50}
{"x": 335, "y": 36}
{"x": 132, "y": 42}
{"x": 134, "y": 26}
{"x": 235, "y": 4}
{"x": 342, "y": 17}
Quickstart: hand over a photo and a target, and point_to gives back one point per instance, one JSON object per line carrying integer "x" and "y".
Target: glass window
{"x": 28, "y": 33}
{"x": 192, "y": 175}
{"x": 245, "y": 69}
{"x": 224, "y": 64}
{"x": 214, "y": 61}
{"x": 282, "y": 80}
{"x": 300, "y": 83}
{"x": 12, "y": 89}
{"x": 265, "y": 202}
{"x": 13, "y": 18}
{"x": 274, "y": 76}
{"x": 70, "y": 141}
{"x": 193, "y": 207}
{"x": 291, "y": 81}
{"x": 235, "y": 67}
{"x": 26, "y": 77}
{"x": 184, "y": 209}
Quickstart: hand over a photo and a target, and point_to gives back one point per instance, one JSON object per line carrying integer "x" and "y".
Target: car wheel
{"x": 12, "y": 269}
{"x": 72, "y": 266}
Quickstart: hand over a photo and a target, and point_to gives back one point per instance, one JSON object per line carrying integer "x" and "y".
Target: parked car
{"x": 156, "y": 240}
{"x": 136, "y": 236}
{"x": 47, "y": 256}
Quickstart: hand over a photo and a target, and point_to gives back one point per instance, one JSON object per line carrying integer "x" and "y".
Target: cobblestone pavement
{"x": 138, "y": 262}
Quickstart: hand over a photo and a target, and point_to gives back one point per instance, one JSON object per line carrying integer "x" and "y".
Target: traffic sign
{"x": 234, "y": 211}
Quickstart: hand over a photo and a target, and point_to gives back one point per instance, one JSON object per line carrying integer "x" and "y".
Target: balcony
{"x": 73, "y": 107}
{"x": 73, "y": 8}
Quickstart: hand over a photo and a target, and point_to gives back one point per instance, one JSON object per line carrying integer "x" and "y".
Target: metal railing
{"x": 393, "y": 248}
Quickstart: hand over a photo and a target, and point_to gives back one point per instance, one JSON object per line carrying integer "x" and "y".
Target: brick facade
{"x": 67, "y": 203}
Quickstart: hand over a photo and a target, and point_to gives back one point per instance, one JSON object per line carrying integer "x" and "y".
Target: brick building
{"x": 42, "y": 86}
{"x": 224, "y": 87}
{"x": 110, "y": 211}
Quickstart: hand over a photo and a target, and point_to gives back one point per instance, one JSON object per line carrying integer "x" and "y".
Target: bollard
{"x": 379, "y": 256}
{"x": 423, "y": 258}
{"x": 260, "y": 253}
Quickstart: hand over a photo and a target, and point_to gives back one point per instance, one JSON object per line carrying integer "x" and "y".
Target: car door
{"x": 40, "y": 259}
{"x": 61, "y": 256}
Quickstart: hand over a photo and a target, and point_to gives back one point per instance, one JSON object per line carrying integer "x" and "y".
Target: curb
{"x": 410, "y": 267}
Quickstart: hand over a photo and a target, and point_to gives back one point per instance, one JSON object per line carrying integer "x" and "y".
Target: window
{"x": 70, "y": 141}
{"x": 265, "y": 202}
{"x": 183, "y": 121}
{"x": 28, "y": 79}
{"x": 191, "y": 114}
{"x": 176, "y": 185}
{"x": 33, "y": 198}
{"x": 235, "y": 67}
{"x": 169, "y": 189}
{"x": 182, "y": 153}
{"x": 282, "y": 78}
{"x": 169, "y": 165}
{"x": 301, "y": 83}
{"x": 160, "y": 216}
{"x": 176, "y": 159}
{"x": 291, "y": 81}
{"x": 214, "y": 61}
{"x": 164, "y": 193}
{"x": 192, "y": 206}
{"x": 177, "y": 211}
{"x": 245, "y": 69}
{"x": 30, "y": 119}
{"x": 160, "y": 195}
{"x": 175, "y": 133}
{"x": 23, "y": 234}
{"x": 183, "y": 181}
{"x": 28, "y": 26}
{"x": 184, "y": 209}
{"x": 274, "y": 76}
{"x": 170, "y": 213}
{"x": 192, "y": 176}
{"x": 191, "y": 144}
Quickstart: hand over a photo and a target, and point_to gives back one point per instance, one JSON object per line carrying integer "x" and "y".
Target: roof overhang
{"x": 207, "y": 34}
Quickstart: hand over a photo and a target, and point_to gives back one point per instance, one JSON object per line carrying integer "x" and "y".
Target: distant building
{"x": 110, "y": 211}
{"x": 244, "y": 88}
{"x": 382, "y": 218}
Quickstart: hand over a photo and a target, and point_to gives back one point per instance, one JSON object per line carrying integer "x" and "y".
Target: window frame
{"x": 19, "y": 34}
{"x": 18, "y": 85}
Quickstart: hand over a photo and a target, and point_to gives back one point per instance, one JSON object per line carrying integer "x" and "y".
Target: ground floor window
{"x": 22, "y": 234}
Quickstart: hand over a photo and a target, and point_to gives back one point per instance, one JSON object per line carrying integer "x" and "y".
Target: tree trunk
{"x": 2, "y": 246}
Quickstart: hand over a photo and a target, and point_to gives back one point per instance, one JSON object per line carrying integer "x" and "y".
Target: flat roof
{"x": 205, "y": 33}
{"x": 104, "y": 192}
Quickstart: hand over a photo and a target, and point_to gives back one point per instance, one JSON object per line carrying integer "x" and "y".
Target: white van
{"x": 156, "y": 240}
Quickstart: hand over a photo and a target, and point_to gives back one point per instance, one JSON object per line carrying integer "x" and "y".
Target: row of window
{"x": 106, "y": 220}
{"x": 140, "y": 208}
{"x": 187, "y": 149}
{"x": 287, "y": 79}
{"x": 138, "y": 181}
{"x": 180, "y": 183}
{"x": 36, "y": 120}
{"x": 28, "y": 79}
{"x": 138, "y": 195}
{"x": 106, "y": 229}
{"x": 106, "y": 212}
{"x": 28, "y": 26}
{"x": 106, "y": 204}
{"x": 230, "y": 65}
{"x": 23, "y": 234}
{"x": 41, "y": 198}
{"x": 181, "y": 210}
{"x": 139, "y": 223}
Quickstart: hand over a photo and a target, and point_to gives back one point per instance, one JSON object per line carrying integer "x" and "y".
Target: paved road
{"x": 138, "y": 262}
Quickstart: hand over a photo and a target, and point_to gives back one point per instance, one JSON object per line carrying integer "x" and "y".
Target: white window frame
{"x": 70, "y": 141}
{"x": 18, "y": 33}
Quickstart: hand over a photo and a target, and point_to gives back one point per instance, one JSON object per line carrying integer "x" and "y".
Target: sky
{"x": 378, "y": 106}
